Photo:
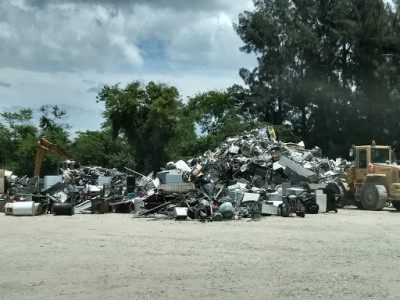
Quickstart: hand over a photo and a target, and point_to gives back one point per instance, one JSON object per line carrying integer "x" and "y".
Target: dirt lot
{"x": 349, "y": 255}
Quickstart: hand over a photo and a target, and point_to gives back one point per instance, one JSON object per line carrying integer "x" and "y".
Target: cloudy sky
{"x": 63, "y": 51}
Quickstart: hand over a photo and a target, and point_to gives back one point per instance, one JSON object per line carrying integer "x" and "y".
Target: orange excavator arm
{"x": 45, "y": 145}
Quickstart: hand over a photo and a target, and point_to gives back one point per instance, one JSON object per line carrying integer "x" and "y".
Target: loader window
{"x": 379, "y": 155}
{"x": 362, "y": 158}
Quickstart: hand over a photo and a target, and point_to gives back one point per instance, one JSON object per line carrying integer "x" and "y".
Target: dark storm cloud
{"x": 178, "y": 5}
{"x": 71, "y": 35}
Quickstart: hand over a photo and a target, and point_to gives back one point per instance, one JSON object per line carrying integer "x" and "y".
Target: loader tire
{"x": 396, "y": 204}
{"x": 373, "y": 196}
{"x": 359, "y": 205}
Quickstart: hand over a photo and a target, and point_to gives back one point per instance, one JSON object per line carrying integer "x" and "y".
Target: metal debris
{"x": 246, "y": 176}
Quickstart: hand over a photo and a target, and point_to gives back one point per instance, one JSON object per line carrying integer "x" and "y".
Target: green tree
{"x": 329, "y": 69}
{"x": 97, "y": 148}
{"x": 51, "y": 125}
{"x": 16, "y": 132}
{"x": 148, "y": 116}
{"x": 284, "y": 43}
{"x": 214, "y": 111}
{"x": 52, "y": 128}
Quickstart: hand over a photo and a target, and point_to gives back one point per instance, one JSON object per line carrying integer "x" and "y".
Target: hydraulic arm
{"x": 45, "y": 145}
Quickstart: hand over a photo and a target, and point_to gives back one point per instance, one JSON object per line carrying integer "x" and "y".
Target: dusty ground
{"x": 349, "y": 255}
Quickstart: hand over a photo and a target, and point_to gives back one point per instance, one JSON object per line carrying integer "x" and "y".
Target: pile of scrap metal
{"x": 82, "y": 190}
{"x": 247, "y": 176}
{"x": 10, "y": 203}
{"x": 88, "y": 189}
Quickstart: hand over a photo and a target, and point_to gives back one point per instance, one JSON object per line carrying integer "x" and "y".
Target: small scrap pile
{"x": 77, "y": 190}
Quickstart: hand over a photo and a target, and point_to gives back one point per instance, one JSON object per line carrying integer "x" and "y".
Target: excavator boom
{"x": 45, "y": 145}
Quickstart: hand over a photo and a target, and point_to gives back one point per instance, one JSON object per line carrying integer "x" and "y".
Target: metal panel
{"x": 296, "y": 172}
{"x": 49, "y": 181}
{"x": 250, "y": 197}
{"x": 270, "y": 207}
{"x": 183, "y": 187}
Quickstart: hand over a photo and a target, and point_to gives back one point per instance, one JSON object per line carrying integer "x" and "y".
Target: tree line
{"x": 327, "y": 68}
{"x": 327, "y": 74}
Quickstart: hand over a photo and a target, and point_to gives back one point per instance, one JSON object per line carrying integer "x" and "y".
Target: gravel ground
{"x": 349, "y": 255}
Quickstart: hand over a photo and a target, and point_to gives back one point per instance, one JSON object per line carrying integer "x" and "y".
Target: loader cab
{"x": 364, "y": 155}
{"x": 380, "y": 155}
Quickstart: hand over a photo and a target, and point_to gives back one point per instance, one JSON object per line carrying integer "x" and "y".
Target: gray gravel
{"x": 349, "y": 255}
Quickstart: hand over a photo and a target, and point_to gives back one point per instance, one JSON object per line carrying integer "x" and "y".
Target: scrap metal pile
{"x": 247, "y": 176}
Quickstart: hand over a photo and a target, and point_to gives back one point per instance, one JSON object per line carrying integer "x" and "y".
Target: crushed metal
{"x": 247, "y": 176}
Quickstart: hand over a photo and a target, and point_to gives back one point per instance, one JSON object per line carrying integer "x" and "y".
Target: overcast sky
{"x": 63, "y": 51}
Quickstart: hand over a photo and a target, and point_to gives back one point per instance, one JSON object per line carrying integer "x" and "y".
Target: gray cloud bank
{"x": 64, "y": 51}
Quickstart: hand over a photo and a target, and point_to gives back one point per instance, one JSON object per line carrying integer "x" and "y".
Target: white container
{"x": 320, "y": 199}
{"x": 24, "y": 208}
{"x": 180, "y": 212}
{"x": 137, "y": 205}
{"x": 8, "y": 208}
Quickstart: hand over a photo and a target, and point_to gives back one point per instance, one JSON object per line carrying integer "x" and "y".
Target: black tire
{"x": 284, "y": 211}
{"x": 336, "y": 188}
{"x": 373, "y": 196}
{"x": 396, "y": 204}
{"x": 359, "y": 205}
{"x": 300, "y": 214}
{"x": 301, "y": 210}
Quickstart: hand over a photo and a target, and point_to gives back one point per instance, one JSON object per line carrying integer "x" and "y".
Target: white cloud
{"x": 130, "y": 51}
{"x": 62, "y": 52}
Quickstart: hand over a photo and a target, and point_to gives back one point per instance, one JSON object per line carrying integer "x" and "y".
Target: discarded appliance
{"x": 170, "y": 176}
{"x": 270, "y": 207}
{"x": 180, "y": 212}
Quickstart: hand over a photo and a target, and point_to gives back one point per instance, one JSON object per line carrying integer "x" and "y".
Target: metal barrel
{"x": 23, "y": 208}
{"x": 63, "y": 209}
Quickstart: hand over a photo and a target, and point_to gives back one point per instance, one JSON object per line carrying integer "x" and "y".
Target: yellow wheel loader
{"x": 373, "y": 179}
